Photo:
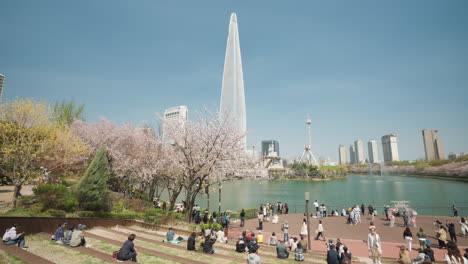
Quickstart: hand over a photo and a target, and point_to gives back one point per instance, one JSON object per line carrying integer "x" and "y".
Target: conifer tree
{"x": 92, "y": 191}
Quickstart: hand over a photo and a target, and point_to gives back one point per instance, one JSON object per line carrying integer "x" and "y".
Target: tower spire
{"x": 232, "y": 93}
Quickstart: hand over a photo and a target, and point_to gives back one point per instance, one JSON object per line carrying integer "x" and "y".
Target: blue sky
{"x": 361, "y": 69}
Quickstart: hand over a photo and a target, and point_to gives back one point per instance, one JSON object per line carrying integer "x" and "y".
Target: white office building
{"x": 359, "y": 151}
{"x": 342, "y": 155}
{"x": 174, "y": 116}
{"x": 372, "y": 151}
{"x": 390, "y": 148}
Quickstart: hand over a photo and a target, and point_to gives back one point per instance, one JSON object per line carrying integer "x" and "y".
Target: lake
{"x": 427, "y": 196}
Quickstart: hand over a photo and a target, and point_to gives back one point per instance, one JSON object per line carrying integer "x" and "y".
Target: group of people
{"x": 204, "y": 241}
{"x": 71, "y": 237}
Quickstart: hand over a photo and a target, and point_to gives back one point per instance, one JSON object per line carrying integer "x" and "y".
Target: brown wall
{"x": 32, "y": 225}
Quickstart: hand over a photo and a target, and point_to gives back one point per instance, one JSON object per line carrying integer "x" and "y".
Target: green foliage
{"x": 304, "y": 169}
{"x": 92, "y": 190}
{"x": 250, "y": 213}
{"x": 22, "y": 212}
{"x": 69, "y": 182}
{"x": 123, "y": 215}
{"x": 462, "y": 158}
{"x": 55, "y": 197}
{"x": 211, "y": 226}
{"x": 56, "y": 213}
{"x": 436, "y": 163}
{"x": 159, "y": 216}
{"x": 118, "y": 208}
{"x": 66, "y": 112}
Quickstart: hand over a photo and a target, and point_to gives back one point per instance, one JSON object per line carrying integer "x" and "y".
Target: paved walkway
{"x": 6, "y": 196}
{"x": 355, "y": 236}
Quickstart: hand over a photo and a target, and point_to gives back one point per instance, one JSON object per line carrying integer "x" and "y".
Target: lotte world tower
{"x": 232, "y": 93}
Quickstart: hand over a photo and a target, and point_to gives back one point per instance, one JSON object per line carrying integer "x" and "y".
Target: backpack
{"x": 282, "y": 227}
{"x": 346, "y": 258}
{"x": 115, "y": 254}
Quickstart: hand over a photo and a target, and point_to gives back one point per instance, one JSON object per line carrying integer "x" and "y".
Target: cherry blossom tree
{"x": 209, "y": 149}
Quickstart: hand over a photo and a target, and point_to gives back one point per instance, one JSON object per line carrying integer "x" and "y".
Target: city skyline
{"x": 358, "y": 80}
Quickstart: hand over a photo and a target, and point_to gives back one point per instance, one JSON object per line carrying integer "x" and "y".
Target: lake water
{"x": 427, "y": 196}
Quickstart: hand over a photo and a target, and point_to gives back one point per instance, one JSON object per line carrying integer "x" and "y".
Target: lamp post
{"x": 220, "y": 186}
{"x": 307, "y": 198}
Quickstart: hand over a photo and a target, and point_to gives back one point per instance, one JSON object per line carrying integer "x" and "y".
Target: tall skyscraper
{"x": 232, "y": 94}
{"x": 174, "y": 116}
{"x": 352, "y": 154}
{"x": 372, "y": 151}
{"x": 390, "y": 148}
{"x": 2, "y": 83}
{"x": 266, "y": 146}
{"x": 359, "y": 151}
{"x": 342, "y": 154}
{"x": 433, "y": 145}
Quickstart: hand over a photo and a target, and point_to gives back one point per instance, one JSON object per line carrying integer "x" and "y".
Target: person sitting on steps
{"x": 127, "y": 251}
{"x": 12, "y": 236}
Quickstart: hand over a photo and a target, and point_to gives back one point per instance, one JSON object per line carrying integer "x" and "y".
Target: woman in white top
{"x": 453, "y": 255}
{"x": 220, "y": 237}
{"x": 304, "y": 228}
{"x": 464, "y": 226}
{"x": 275, "y": 219}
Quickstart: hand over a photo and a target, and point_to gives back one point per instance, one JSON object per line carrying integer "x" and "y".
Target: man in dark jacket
{"x": 429, "y": 252}
{"x": 191, "y": 242}
{"x": 127, "y": 251}
{"x": 208, "y": 246}
{"x": 281, "y": 250}
{"x": 332, "y": 255}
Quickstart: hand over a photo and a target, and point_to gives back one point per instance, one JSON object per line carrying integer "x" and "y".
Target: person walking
{"x": 319, "y": 231}
{"x": 463, "y": 226}
{"x": 451, "y": 231}
{"x": 346, "y": 256}
{"x": 406, "y": 219}
{"x": 441, "y": 235}
{"x": 285, "y": 229}
{"x": 375, "y": 247}
{"x": 304, "y": 228}
{"x": 260, "y": 221}
{"x": 242, "y": 216}
{"x": 408, "y": 236}
{"x": 422, "y": 238}
{"x": 455, "y": 210}
{"x": 316, "y": 205}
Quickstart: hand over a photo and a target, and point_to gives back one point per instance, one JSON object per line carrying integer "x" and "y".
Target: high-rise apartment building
{"x": 359, "y": 151}
{"x": 266, "y": 144}
{"x": 352, "y": 154}
{"x": 232, "y": 93}
{"x": 372, "y": 151}
{"x": 174, "y": 116}
{"x": 342, "y": 154}
{"x": 433, "y": 145}
{"x": 390, "y": 148}
{"x": 2, "y": 83}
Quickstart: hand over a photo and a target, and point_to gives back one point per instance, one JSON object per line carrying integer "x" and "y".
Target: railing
{"x": 421, "y": 210}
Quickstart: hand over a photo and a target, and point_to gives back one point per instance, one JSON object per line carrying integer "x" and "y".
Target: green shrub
{"x": 55, "y": 197}
{"x": 92, "y": 190}
{"x": 18, "y": 212}
{"x": 57, "y": 213}
{"x": 211, "y": 226}
{"x": 118, "y": 208}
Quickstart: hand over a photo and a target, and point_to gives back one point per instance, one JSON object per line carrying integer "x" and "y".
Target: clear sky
{"x": 361, "y": 69}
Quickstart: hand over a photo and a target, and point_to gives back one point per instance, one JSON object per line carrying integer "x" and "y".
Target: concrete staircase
{"x": 149, "y": 245}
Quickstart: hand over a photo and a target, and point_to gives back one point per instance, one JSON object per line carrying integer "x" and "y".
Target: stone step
{"x": 224, "y": 248}
{"x": 87, "y": 251}
{"x": 24, "y": 255}
{"x": 142, "y": 249}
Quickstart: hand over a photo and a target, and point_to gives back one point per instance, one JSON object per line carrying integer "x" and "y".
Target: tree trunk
{"x": 173, "y": 197}
{"x": 16, "y": 193}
